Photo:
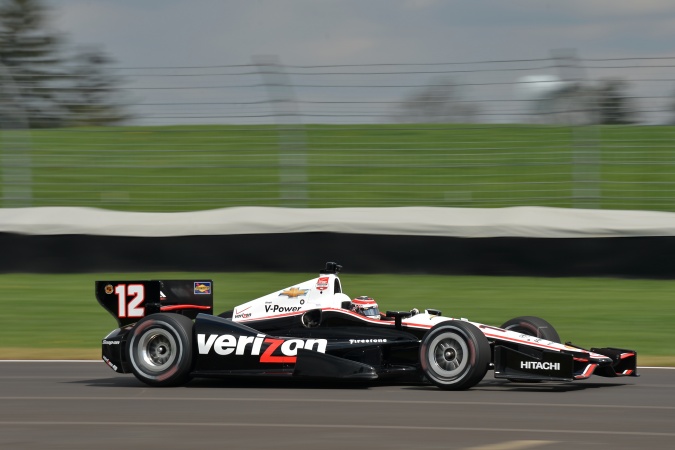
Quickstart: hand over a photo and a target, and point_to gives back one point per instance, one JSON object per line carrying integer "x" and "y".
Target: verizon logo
{"x": 539, "y": 365}
{"x": 270, "y": 350}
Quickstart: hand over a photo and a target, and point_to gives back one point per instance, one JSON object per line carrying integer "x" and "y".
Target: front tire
{"x": 160, "y": 349}
{"x": 532, "y": 326}
{"x": 455, "y": 355}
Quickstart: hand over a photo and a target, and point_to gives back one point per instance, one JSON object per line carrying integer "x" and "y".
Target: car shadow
{"x": 510, "y": 386}
{"x": 294, "y": 383}
{"x": 232, "y": 382}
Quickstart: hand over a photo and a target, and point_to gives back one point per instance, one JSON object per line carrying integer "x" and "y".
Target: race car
{"x": 168, "y": 334}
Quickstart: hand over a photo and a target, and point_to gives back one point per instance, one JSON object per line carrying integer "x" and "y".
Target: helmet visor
{"x": 371, "y": 312}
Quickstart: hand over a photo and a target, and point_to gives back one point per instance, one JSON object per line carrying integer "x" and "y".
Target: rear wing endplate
{"x": 129, "y": 301}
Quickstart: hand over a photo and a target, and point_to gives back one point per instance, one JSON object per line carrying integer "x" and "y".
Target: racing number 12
{"x": 135, "y": 305}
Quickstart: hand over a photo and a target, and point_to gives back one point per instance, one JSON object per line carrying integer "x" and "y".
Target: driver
{"x": 365, "y": 306}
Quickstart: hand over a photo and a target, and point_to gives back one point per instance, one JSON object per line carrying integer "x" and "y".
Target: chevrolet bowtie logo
{"x": 294, "y": 292}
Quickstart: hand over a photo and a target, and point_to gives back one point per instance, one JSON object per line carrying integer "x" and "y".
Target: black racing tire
{"x": 160, "y": 349}
{"x": 455, "y": 355}
{"x": 532, "y": 326}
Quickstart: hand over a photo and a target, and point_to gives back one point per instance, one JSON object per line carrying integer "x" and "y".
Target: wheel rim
{"x": 448, "y": 355}
{"x": 156, "y": 350}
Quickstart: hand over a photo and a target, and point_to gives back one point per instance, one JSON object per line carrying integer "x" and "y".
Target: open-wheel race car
{"x": 168, "y": 334}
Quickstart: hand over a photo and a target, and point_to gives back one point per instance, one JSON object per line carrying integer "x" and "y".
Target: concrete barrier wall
{"x": 359, "y": 253}
{"x": 508, "y": 241}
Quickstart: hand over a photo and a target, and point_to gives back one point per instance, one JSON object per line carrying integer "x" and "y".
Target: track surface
{"x": 84, "y": 405}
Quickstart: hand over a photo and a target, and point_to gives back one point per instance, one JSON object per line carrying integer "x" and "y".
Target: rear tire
{"x": 455, "y": 355}
{"x": 160, "y": 349}
{"x": 532, "y": 326}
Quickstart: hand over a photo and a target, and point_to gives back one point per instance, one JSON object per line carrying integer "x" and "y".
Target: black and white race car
{"x": 167, "y": 334}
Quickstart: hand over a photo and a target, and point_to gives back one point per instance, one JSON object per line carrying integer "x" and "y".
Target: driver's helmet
{"x": 365, "y": 306}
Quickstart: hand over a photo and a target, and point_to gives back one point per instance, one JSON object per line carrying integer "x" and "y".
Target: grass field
{"x": 57, "y": 316}
{"x": 184, "y": 168}
{"x": 205, "y": 167}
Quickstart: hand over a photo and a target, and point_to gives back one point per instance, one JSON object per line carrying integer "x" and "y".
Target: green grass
{"x": 57, "y": 316}
{"x": 181, "y": 168}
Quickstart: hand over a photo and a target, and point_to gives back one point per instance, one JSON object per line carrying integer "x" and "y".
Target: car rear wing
{"x": 129, "y": 301}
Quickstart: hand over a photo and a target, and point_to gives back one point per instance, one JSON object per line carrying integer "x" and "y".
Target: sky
{"x": 181, "y": 33}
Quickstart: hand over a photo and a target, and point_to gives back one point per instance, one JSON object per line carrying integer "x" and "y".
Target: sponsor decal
{"x": 202, "y": 287}
{"x": 322, "y": 283}
{"x": 536, "y": 365}
{"x": 106, "y": 342}
{"x": 277, "y": 350}
{"x": 281, "y": 309}
{"x": 367, "y": 341}
{"x": 108, "y": 362}
{"x": 242, "y": 310}
{"x": 241, "y": 314}
{"x": 162, "y": 296}
{"x": 108, "y": 289}
{"x": 294, "y": 292}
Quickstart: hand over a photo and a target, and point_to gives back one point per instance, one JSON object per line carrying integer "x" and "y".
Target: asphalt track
{"x": 84, "y": 405}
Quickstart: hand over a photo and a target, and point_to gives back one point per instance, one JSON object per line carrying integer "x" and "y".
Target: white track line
{"x": 513, "y": 445}
{"x": 51, "y": 360}
{"x": 325, "y": 400}
{"x": 353, "y": 426}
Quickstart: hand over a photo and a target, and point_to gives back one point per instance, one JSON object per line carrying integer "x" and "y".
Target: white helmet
{"x": 366, "y": 306}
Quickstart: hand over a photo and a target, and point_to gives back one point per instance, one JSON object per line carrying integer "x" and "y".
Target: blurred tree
{"x": 438, "y": 102}
{"x": 605, "y": 103}
{"x": 92, "y": 97}
{"x": 614, "y": 107}
{"x": 49, "y": 91}
{"x": 28, "y": 52}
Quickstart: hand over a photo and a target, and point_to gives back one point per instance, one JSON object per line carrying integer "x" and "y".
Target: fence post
{"x": 292, "y": 139}
{"x": 15, "y": 160}
{"x": 582, "y": 120}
